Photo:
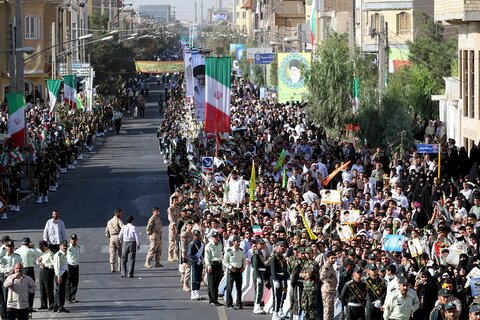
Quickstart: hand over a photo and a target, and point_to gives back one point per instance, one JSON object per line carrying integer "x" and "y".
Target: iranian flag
{"x": 16, "y": 118}
{"x": 313, "y": 22}
{"x": 70, "y": 91}
{"x": 53, "y": 91}
{"x": 217, "y": 94}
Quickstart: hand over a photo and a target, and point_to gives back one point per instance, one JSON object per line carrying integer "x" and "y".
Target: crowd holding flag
{"x": 16, "y": 118}
{"x": 70, "y": 91}
{"x": 53, "y": 91}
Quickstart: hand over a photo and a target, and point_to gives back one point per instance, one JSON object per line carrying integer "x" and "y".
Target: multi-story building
{"x": 464, "y": 116}
{"x": 242, "y": 16}
{"x": 163, "y": 13}
{"x": 37, "y": 19}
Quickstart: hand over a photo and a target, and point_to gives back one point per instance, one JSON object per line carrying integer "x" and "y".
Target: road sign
{"x": 427, "y": 148}
{"x": 78, "y": 69}
{"x": 207, "y": 164}
{"x": 264, "y": 58}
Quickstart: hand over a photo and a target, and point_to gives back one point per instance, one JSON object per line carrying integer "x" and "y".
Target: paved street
{"x": 126, "y": 171}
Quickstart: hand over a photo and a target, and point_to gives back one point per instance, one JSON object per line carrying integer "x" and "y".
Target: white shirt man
{"x": 236, "y": 188}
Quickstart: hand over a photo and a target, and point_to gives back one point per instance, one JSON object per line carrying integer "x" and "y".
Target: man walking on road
{"x": 112, "y": 231}
{"x": 73, "y": 259}
{"x": 154, "y": 233}
{"x": 60, "y": 266}
{"x": 54, "y": 232}
{"x": 213, "y": 263}
{"x": 130, "y": 243}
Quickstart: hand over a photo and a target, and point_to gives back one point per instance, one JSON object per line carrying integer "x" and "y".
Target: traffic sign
{"x": 78, "y": 69}
{"x": 427, "y": 148}
{"x": 207, "y": 164}
{"x": 264, "y": 58}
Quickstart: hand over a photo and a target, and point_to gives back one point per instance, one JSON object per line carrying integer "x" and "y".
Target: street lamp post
{"x": 15, "y": 71}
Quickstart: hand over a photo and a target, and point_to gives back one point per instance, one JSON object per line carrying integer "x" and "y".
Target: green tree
{"x": 430, "y": 49}
{"x": 244, "y": 66}
{"x": 330, "y": 81}
{"x": 258, "y": 75}
{"x": 274, "y": 72}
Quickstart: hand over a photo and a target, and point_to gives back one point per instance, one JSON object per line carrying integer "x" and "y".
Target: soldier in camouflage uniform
{"x": 376, "y": 292}
{"x": 173, "y": 216}
{"x": 294, "y": 267}
{"x": 328, "y": 277}
{"x": 309, "y": 274}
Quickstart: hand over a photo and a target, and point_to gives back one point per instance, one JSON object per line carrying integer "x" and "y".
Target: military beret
{"x": 309, "y": 250}
{"x": 358, "y": 270}
{"x": 260, "y": 241}
{"x": 372, "y": 256}
{"x": 26, "y": 240}
{"x": 402, "y": 280}
{"x": 5, "y": 238}
{"x": 215, "y": 234}
{"x": 197, "y": 233}
{"x": 74, "y": 236}
{"x": 64, "y": 243}
{"x": 237, "y": 238}
{"x": 349, "y": 262}
{"x": 301, "y": 250}
{"x": 43, "y": 243}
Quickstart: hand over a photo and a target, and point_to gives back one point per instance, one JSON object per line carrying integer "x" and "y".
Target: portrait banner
{"x": 291, "y": 78}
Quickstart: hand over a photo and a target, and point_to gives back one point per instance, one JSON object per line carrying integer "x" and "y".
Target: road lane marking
{"x": 222, "y": 313}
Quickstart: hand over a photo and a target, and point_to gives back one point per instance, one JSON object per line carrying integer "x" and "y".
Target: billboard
{"x": 219, "y": 16}
{"x": 235, "y": 46}
{"x": 291, "y": 80}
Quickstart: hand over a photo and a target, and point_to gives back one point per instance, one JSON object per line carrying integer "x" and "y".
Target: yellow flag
{"x": 312, "y": 235}
{"x": 252, "y": 183}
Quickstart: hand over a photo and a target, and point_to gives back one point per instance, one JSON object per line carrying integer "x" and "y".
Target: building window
{"x": 31, "y": 27}
{"x": 403, "y": 23}
{"x": 464, "y": 83}
{"x": 244, "y": 15}
{"x": 375, "y": 22}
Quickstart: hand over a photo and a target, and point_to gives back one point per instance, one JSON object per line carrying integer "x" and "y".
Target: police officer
{"x": 376, "y": 292}
{"x": 29, "y": 255}
{"x": 346, "y": 275}
{"x": 195, "y": 259}
{"x": 213, "y": 263}
{"x": 278, "y": 277}
{"x": 154, "y": 233}
{"x": 46, "y": 282}
{"x": 259, "y": 268}
{"x": 353, "y": 296}
{"x": 401, "y": 303}
{"x": 60, "y": 266}
{"x": 294, "y": 267}
{"x": 73, "y": 260}
{"x": 235, "y": 262}
{"x": 310, "y": 275}
{"x": 328, "y": 277}
{"x": 112, "y": 230}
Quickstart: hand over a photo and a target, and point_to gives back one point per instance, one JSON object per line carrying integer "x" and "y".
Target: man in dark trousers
{"x": 46, "y": 283}
{"x": 278, "y": 277}
{"x": 235, "y": 262}
{"x": 195, "y": 259}
{"x": 353, "y": 296}
{"x": 213, "y": 263}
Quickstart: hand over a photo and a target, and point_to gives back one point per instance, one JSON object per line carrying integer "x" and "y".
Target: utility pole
{"x": 381, "y": 55}
{"x": 19, "y": 76}
{"x": 54, "y": 52}
{"x": 196, "y": 15}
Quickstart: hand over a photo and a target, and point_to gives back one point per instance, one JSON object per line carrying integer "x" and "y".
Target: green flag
{"x": 284, "y": 178}
{"x": 280, "y": 160}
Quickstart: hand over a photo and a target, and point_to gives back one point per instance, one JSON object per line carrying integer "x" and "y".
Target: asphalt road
{"x": 125, "y": 171}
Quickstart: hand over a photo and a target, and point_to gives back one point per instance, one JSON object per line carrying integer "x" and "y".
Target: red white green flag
{"x": 313, "y": 22}
{"x": 70, "y": 91}
{"x": 217, "y": 94}
{"x": 16, "y": 118}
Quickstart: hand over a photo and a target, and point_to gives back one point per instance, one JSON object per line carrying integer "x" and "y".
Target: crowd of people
{"x": 307, "y": 223}
{"x": 57, "y": 256}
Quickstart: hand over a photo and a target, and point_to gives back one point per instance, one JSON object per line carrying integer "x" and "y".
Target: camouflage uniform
{"x": 329, "y": 279}
{"x": 311, "y": 271}
{"x": 173, "y": 216}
